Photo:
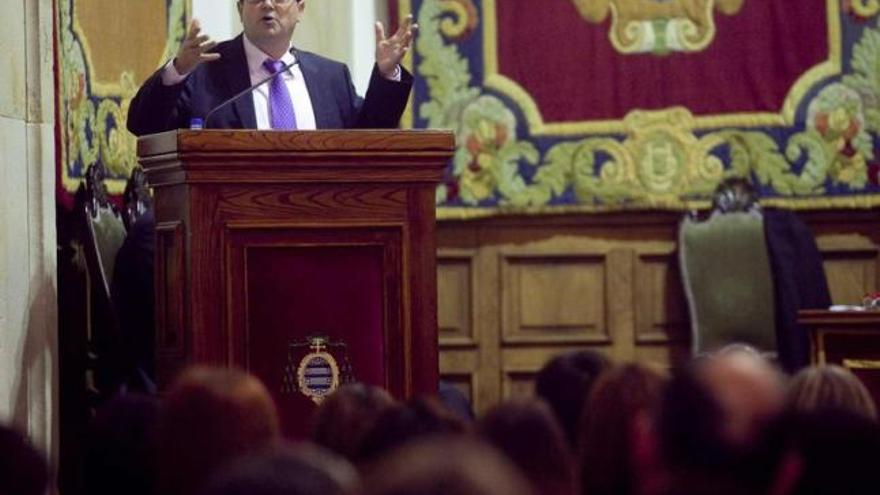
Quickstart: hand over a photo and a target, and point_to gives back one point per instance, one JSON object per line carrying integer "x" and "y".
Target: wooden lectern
{"x": 265, "y": 239}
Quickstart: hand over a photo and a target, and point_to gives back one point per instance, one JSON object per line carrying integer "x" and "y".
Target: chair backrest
{"x": 735, "y": 194}
{"x": 105, "y": 230}
{"x": 136, "y": 196}
{"x": 728, "y": 281}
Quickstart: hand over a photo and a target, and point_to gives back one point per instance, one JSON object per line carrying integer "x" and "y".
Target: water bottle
{"x": 196, "y": 124}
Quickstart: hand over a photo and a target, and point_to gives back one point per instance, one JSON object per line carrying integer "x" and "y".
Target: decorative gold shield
{"x": 658, "y": 26}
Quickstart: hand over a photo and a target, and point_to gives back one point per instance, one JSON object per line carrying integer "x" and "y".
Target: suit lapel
{"x": 318, "y": 87}
{"x": 238, "y": 75}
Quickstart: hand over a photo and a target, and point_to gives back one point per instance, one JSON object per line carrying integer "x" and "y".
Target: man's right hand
{"x": 194, "y": 50}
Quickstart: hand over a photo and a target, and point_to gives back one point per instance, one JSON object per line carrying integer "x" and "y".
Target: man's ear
{"x": 238, "y": 6}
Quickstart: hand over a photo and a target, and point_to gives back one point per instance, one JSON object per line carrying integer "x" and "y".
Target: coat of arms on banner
{"x": 658, "y": 26}
{"x": 320, "y": 371}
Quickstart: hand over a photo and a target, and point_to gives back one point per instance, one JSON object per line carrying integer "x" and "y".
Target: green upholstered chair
{"x": 727, "y": 279}
{"x": 105, "y": 230}
{"x": 104, "y": 235}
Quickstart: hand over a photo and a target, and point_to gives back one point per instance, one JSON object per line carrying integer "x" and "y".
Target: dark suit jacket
{"x": 798, "y": 282}
{"x": 158, "y": 108}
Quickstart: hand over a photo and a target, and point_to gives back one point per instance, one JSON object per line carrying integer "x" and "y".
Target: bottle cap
{"x": 196, "y": 123}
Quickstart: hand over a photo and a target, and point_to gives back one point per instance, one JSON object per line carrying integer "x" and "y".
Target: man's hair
{"x": 445, "y": 466}
{"x": 620, "y": 395}
{"x": 404, "y": 423}
{"x": 527, "y": 432}
{"x": 210, "y": 416}
{"x": 343, "y": 420}
{"x": 830, "y": 387}
{"x": 302, "y": 470}
{"x": 565, "y": 383}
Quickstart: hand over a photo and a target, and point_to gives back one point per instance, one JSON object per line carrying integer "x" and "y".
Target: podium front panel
{"x": 287, "y": 285}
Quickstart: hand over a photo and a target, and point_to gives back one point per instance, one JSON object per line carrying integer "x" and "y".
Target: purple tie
{"x": 280, "y": 106}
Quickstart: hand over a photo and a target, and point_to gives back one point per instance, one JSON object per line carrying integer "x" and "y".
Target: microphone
{"x": 249, "y": 89}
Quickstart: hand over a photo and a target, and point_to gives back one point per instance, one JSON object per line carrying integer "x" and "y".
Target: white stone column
{"x": 28, "y": 300}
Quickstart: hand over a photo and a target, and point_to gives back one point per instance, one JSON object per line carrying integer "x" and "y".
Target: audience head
{"x": 749, "y": 389}
{"x": 445, "y": 466}
{"x": 714, "y": 420}
{"x": 343, "y": 420}
{"x": 455, "y": 401}
{"x": 23, "y": 470}
{"x": 403, "y": 423}
{"x": 622, "y": 403}
{"x": 121, "y": 452}
{"x": 528, "y": 434}
{"x": 838, "y": 452}
{"x": 286, "y": 470}
{"x": 830, "y": 387}
{"x": 565, "y": 382}
{"x": 211, "y": 416}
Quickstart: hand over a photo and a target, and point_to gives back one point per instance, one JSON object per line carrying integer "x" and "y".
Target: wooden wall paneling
{"x": 661, "y": 312}
{"x": 552, "y": 297}
{"x": 456, "y": 320}
{"x": 608, "y": 282}
{"x": 851, "y": 266}
{"x": 456, "y": 285}
{"x": 461, "y": 368}
{"x": 621, "y": 300}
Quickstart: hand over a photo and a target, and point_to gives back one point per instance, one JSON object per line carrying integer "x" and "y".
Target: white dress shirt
{"x": 293, "y": 78}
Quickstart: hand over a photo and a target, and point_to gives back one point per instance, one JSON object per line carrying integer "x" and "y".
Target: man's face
{"x": 270, "y": 20}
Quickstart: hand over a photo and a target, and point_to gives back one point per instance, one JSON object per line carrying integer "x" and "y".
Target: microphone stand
{"x": 249, "y": 89}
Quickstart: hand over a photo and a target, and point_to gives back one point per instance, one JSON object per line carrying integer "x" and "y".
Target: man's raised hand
{"x": 194, "y": 49}
{"x": 390, "y": 51}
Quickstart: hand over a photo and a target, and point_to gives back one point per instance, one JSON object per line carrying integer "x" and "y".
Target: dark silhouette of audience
{"x": 286, "y": 470}
{"x": 343, "y": 420}
{"x": 725, "y": 423}
{"x": 445, "y": 466}
{"x": 565, "y": 382}
{"x": 713, "y": 423}
{"x": 529, "y": 435}
{"x": 210, "y": 417}
{"x": 121, "y": 450}
{"x": 404, "y": 423}
{"x": 622, "y": 401}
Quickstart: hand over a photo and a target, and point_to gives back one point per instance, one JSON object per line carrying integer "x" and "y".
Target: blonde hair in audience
{"x": 830, "y": 386}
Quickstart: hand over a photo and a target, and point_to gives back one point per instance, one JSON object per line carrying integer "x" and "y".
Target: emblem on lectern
{"x": 318, "y": 373}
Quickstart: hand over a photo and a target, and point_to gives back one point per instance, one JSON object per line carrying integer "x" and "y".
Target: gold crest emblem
{"x": 318, "y": 373}
{"x": 658, "y": 26}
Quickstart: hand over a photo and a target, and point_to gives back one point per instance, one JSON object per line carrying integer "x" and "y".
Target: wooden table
{"x": 847, "y": 338}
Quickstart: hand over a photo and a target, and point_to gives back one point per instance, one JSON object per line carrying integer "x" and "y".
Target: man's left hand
{"x": 390, "y": 51}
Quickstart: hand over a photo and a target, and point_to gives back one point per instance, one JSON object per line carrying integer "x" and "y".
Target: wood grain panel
{"x": 558, "y": 298}
{"x": 461, "y": 367}
{"x": 455, "y": 297}
{"x": 851, "y": 264}
{"x": 661, "y": 312}
{"x": 320, "y": 203}
{"x": 518, "y": 384}
{"x": 170, "y": 295}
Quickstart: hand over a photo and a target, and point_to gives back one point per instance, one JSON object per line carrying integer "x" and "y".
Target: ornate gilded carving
{"x": 658, "y": 26}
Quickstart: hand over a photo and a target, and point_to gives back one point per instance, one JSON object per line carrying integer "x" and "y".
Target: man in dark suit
{"x": 309, "y": 92}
